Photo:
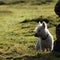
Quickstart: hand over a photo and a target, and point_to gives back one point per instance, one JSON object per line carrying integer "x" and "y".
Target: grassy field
{"x": 17, "y": 24}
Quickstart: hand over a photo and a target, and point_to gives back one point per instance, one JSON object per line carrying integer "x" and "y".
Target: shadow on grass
{"x": 39, "y": 56}
{"x": 41, "y": 19}
{"x": 48, "y": 20}
{"x": 9, "y": 3}
{"x": 5, "y": 11}
{"x": 27, "y": 57}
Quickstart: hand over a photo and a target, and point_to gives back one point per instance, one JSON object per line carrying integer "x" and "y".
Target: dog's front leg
{"x": 52, "y": 45}
{"x": 38, "y": 45}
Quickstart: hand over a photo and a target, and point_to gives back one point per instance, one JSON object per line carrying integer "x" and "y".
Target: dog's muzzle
{"x": 42, "y": 37}
{"x": 36, "y": 35}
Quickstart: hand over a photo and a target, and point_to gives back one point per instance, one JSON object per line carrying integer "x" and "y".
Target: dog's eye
{"x": 39, "y": 30}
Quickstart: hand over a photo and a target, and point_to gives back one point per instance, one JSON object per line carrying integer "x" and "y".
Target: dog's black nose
{"x": 36, "y": 35}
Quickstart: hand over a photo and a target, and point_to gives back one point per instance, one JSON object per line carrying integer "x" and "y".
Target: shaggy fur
{"x": 45, "y": 41}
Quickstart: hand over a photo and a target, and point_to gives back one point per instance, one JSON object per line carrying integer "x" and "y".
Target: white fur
{"x": 42, "y": 31}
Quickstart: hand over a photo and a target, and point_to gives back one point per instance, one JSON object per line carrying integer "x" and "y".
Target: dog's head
{"x": 41, "y": 29}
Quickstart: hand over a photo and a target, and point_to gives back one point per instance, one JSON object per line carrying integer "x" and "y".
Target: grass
{"x": 17, "y": 24}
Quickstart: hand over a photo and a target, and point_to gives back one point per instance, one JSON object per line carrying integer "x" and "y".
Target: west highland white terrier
{"x": 45, "y": 41}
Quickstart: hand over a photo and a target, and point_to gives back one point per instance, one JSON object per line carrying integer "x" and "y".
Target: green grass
{"x": 17, "y": 41}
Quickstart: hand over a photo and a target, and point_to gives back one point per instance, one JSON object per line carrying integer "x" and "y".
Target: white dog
{"x": 45, "y": 41}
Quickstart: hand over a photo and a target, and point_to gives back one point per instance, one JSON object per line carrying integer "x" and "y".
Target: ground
{"x": 17, "y": 24}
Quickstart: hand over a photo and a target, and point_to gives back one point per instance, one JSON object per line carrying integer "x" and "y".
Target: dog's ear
{"x": 39, "y": 23}
{"x": 44, "y": 24}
